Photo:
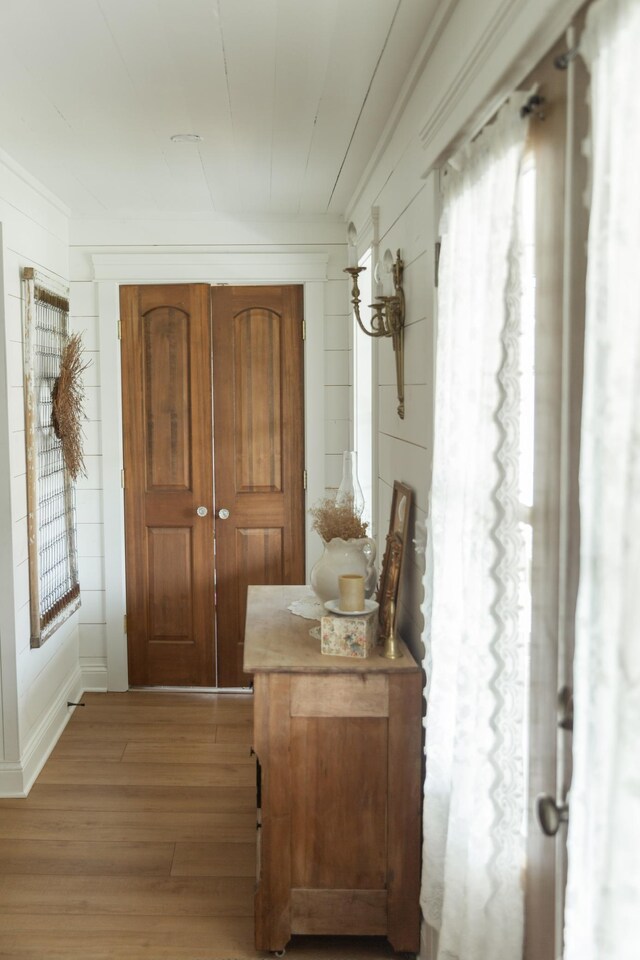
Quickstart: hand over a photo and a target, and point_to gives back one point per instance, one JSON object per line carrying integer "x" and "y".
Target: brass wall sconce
{"x": 387, "y": 319}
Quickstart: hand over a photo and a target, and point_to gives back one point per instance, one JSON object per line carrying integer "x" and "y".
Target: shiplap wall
{"x": 35, "y": 683}
{"x": 472, "y": 57}
{"x": 407, "y": 221}
{"x": 173, "y": 237}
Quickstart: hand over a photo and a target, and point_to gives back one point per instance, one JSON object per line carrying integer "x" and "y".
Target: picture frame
{"x": 389, "y": 583}
{"x": 54, "y": 585}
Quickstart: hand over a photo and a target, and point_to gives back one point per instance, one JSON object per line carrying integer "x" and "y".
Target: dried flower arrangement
{"x": 333, "y": 518}
{"x": 67, "y": 409}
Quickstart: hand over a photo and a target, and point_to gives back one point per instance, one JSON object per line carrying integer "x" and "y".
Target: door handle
{"x": 223, "y": 513}
{"x": 551, "y": 814}
{"x": 202, "y": 511}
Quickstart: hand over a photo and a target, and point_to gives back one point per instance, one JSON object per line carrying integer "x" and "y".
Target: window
{"x": 363, "y": 402}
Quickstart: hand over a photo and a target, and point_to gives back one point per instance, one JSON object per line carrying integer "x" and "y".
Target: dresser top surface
{"x": 278, "y": 641}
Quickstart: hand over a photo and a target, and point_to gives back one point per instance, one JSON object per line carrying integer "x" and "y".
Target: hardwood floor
{"x": 137, "y": 841}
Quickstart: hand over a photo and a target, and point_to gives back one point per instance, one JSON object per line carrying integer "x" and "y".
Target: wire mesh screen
{"x": 55, "y": 591}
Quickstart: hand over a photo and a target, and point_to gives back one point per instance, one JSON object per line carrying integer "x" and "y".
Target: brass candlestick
{"x": 391, "y": 646}
{"x": 387, "y": 319}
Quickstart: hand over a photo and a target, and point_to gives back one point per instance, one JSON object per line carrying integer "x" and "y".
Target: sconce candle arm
{"x": 376, "y": 329}
{"x": 387, "y": 320}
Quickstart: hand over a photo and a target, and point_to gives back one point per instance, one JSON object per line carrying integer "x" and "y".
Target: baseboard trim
{"x": 94, "y": 674}
{"x": 17, "y": 778}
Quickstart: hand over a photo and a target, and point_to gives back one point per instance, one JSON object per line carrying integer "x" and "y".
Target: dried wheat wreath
{"x": 68, "y": 405}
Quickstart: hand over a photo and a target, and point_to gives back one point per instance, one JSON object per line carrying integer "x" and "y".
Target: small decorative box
{"x": 348, "y": 636}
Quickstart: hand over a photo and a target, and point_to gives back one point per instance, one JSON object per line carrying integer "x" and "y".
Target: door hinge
{"x": 119, "y": 329}
{"x": 124, "y": 623}
{"x": 304, "y": 479}
{"x": 122, "y": 478}
{"x": 436, "y": 263}
{"x": 304, "y": 329}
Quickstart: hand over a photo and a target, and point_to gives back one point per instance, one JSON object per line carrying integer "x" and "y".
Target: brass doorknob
{"x": 551, "y": 814}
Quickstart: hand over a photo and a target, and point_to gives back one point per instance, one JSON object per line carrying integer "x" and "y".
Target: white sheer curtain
{"x": 474, "y": 791}
{"x": 603, "y": 895}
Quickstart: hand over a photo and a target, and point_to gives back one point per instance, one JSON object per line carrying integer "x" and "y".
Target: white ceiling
{"x": 289, "y": 96}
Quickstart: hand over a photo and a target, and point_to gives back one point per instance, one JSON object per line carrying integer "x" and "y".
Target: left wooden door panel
{"x": 167, "y": 430}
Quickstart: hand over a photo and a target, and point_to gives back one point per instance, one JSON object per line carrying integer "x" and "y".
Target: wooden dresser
{"x": 338, "y": 742}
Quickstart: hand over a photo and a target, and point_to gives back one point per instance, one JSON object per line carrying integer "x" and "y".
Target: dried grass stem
{"x": 68, "y": 402}
{"x": 333, "y": 519}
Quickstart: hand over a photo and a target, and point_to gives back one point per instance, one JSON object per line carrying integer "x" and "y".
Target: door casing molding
{"x": 111, "y": 270}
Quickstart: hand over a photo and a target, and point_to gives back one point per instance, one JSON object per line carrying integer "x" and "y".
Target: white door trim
{"x": 111, "y": 270}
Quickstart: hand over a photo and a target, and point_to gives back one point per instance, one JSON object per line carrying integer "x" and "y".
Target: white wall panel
{"x": 18, "y": 497}
{"x": 337, "y": 332}
{"x": 90, "y": 540}
{"x": 88, "y": 327}
{"x": 92, "y": 609}
{"x": 21, "y": 593}
{"x": 82, "y": 300}
{"x": 34, "y": 233}
{"x": 89, "y": 506}
{"x": 93, "y": 640}
{"x": 14, "y": 363}
{"x": 336, "y": 435}
{"x": 337, "y": 368}
{"x": 16, "y": 408}
{"x": 91, "y": 576}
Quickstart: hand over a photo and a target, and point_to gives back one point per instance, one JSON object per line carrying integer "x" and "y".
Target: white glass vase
{"x": 350, "y": 489}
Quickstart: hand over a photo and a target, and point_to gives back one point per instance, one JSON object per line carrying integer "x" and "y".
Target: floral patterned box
{"x": 348, "y": 636}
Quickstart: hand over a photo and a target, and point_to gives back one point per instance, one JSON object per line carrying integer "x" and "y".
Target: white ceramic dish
{"x": 370, "y": 606}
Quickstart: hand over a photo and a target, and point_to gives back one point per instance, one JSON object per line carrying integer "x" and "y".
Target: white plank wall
{"x": 35, "y": 683}
{"x": 407, "y": 221}
{"x": 472, "y": 56}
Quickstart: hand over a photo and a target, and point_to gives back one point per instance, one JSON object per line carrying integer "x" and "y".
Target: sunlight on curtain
{"x": 363, "y": 401}
{"x": 603, "y": 894}
{"x": 474, "y": 790}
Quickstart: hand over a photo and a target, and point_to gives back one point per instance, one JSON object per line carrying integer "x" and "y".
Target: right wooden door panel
{"x": 258, "y": 453}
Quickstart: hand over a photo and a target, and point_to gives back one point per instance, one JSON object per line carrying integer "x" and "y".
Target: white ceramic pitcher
{"x": 340, "y": 557}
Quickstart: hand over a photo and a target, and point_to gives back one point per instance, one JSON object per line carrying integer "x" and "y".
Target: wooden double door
{"x": 212, "y": 385}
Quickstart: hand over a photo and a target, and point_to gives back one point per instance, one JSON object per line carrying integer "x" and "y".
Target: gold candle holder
{"x": 391, "y": 646}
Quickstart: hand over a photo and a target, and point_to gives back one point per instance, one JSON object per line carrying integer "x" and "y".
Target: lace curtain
{"x": 474, "y": 790}
{"x": 603, "y": 893}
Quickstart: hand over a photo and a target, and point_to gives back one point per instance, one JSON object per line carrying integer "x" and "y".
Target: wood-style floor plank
{"x": 166, "y": 751}
{"x": 99, "y": 937}
{"x": 113, "y": 827}
{"x": 201, "y": 713}
{"x": 239, "y": 704}
{"x": 88, "y": 749}
{"x": 149, "y": 799}
{"x": 155, "y": 774}
{"x": 89, "y": 858}
{"x": 179, "y": 732}
{"x": 150, "y": 896}
{"x": 234, "y": 733}
{"x": 214, "y": 860}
